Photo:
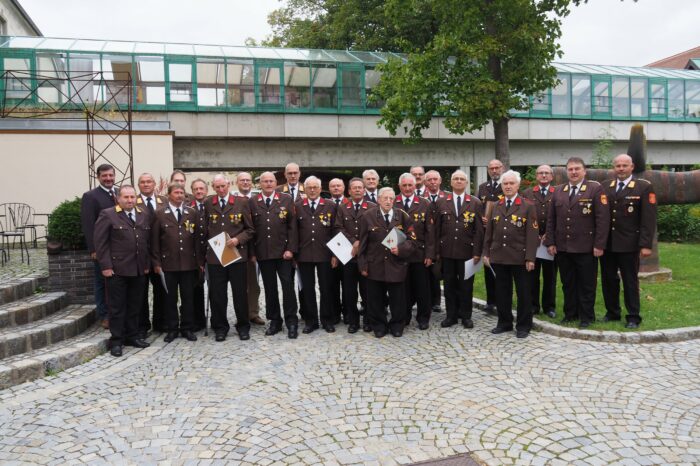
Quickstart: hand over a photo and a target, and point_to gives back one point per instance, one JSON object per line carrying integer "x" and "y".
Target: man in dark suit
{"x": 274, "y": 219}
{"x": 336, "y": 187}
{"x": 385, "y": 268}
{"x": 578, "y": 223}
{"x": 632, "y": 204}
{"x": 370, "y": 178}
{"x": 230, "y": 214}
{"x": 459, "y": 232}
{"x": 491, "y": 191}
{"x": 122, "y": 234}
{"x": 199, "y": 196}
{"x": 292, "y": 173}
{"x": 92, "y": 203}
{"x": 348, "y": 223}
{"x": 175, "y": 252}
{"x": 541, "y": 196}
{"x": 418, "y": 173}
{"x": 422, "y": 222}
{"x": 432, "y": 193}
{"x": 315, "y": 218}
{"x": 510, "y": 246}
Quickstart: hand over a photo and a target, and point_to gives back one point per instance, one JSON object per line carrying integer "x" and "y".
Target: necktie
{"x": 313, "y": 206}
{"x": 201, "y": 207}
{"x": 131, "y": 218}
{"x": 386, "y": 219}
{"x": 508, "y": 204}
{"x": 418, "y": 193}
{"x": 459, "y": 203}
{"x": 357, "y": 207}
{"x": 337, "y": 202}
{"x": 573, "y": 192}
{"x": 111, "y": 196}
{"x": 433, "y": 196}
{"x": 179, "y": 215}
{"x": 620, "y": 186}
{"x": 543, "y": 191}
{"x": 374, "y": 199}
{"x": 149, "y": 204}
{"x": 267, "y": 202}
{"x": 223, "y": 203}
{"x": 291, "y": 191}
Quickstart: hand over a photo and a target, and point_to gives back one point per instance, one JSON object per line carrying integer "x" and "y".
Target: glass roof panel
{"x": 179, "y": 49}
{"x": 367, "y": 57}
{"x": 208, "y": 50}
{"x": 88, "y": 45}
{"x": 261, "y": 52}
{"x": 696, "y": 62}
{"x": 57, "y": 44}
{"x": 319, "y": 55}
{"x": 149, "y": 47}
{"x": 236, "y": 51}
{"x": 118, "y": 46}
{"x": 342, "y": 56}
{"x": 291, "y": 54}
{"x": 24, "y": 42}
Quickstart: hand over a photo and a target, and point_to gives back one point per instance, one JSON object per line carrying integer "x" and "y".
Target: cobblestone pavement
{"x": 15, "y": 268}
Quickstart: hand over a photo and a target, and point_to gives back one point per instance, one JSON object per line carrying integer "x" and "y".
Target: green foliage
{"x": 64, "y": 225}
{"x": 602, "y": 151}
{"x": 679, "y": 223}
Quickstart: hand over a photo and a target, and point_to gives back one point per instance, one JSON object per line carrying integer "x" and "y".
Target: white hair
{"x": 370, "y": 171}
{"x": 406, "y": 175}
{"x": 220, "y": 176}
{"x": 386, "y": 189}
{"x": 312, "y": 179}
{"x": 511, "y": 174}
{"x": 459, "y": 172}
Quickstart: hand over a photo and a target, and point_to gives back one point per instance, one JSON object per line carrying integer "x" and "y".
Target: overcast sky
{"x": 606, "y": 32}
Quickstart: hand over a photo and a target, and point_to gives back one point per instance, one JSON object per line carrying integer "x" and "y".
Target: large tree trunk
{"x": 500, "y": 134}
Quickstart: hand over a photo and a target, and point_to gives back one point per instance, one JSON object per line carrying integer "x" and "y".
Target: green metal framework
{"x": 211, "y": 78}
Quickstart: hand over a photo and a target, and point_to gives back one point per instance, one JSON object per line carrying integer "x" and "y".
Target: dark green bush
{"x": 679, "y": 223}
{"x": 64, "y": 225}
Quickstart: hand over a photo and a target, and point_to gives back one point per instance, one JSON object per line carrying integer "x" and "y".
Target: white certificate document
{"x": 341, "y": 248}
{"x": 470, "y": 268}
{"x": 226, "y": 256}
{"x": 543, "y": 254}
{"x": 394, "y": 238}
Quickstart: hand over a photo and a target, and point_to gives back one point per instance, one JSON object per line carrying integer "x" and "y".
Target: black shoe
{"x": 244, "y": 335}
{"x": 423, "y": 326}
{"x": 366, "y": 328}
{"x": 499, "y": 330}
{"x": 142, "y": 335}
{"x": 379, "y": 333}
{"x": 220, "y": 336}
{"x": 608, "y": 318}
{"x": 490, "y": 309}
{"x": 329, "y": 328}
{"x": 170, "y": 337}
{"x": 447, "y": 323}
{"x": 583, "y": 324}
{"x": 397, "y": 332}
{"x": 346, "y": 320}
{"x": 273, "y": 329}
{"x": 566, "y": 320}
{"x": 632, "y": 325}
{"x": 116, "y": 351}
{"x": 189, "y": 335}
{"x": 467, "y": 323}
{"x": 292, "y": 332}
{"x": 551, "y": 314}
{"x": 137, "y": 343}
{"x": 336, "y": 321}
{"x": 437, "y": 308}
{"x": 535, "y": 310}
{"x": 308, "y": 328}
{"x": 522, "y": 334}
{"x": 352, "y": 328}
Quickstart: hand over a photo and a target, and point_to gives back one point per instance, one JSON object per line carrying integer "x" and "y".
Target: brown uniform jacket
{"x": 632, "y": 215}
{"x": 348, "y": 221}
{"x": 487, "y": 192}
{"x": 121, "y": 245}
{"x": 201, "y": 216}
{"x": 275, "y": 228}
{"x": 420, "y": 213}
{"x": 580, "y": 224}
{"x": 315, "y": 230}
{"x": 373, "y": 257}
{"x": 541, "y": 204}
{"x": 175, "y": 247}
{"x": 300, "y": 194}
{"x": 234, "y": 219}
{"x": 512, "y": 235}
{"x": 459, "y": 235}
{"x": 158, "y": 202}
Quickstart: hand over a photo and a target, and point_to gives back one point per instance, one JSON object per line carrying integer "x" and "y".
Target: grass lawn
{"x": 664, "y": 305}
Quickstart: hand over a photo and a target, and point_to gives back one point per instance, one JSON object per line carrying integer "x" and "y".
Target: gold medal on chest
{"x": 630, "y": 209}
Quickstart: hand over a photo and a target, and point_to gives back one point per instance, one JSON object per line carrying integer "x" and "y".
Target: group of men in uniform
{"x": 142, "y": 239}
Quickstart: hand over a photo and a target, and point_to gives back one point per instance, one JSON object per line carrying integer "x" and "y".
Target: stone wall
{"x": 74, "y": 273}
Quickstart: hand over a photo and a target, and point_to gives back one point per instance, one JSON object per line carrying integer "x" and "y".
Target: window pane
{"x": 18, "y": 84}
{"x": 371, "y": 80}
{"x": 324, "y": 85}
{"x": 241, "y": 85}
{"x": 211, "y": 84}
{"x": 82, "y": 70}
{"x": 675, "y": 98}
{"x": 269, "y": 83}
{"x": 581, "y": 95}
{"x": 297, "y": 89}
{"x": 601, "y": 94}
{"x": 52, "y": 78}
{"x": 352, "y": 88}
{"x": 560, "y": 97}
{"x": 116, "y": 71}
{"x": 150, "y": 81}
{"x": 540, "y": 103}
{"x": 658, "y": 99}
{"x": 639, "y": 105}
{"x": 180, "y": 76}
{"x": 621, "y": 97}
{"x": 692, "y": 98}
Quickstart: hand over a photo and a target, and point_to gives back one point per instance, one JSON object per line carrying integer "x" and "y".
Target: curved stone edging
{"x": 607, "y": 336}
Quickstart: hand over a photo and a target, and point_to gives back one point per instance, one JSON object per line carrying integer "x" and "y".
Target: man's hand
{"x": 232, "y": 242}
{"x": 145, "y": 271}
{"x": 428, "y": 262}
{"x": 529, "y": 266}
{"x": 107, "y": 273}
{"x": 355, "y": 248}
{"x": 552, "y": 250}
{"x": 644, "y": 252}
{"x": 597, "y": 252}
{"x": 485, "y": 220}
{"x": 487, "y": 262}
{"x": 334, "y": 262}
{"x": 157, "y": 269}
{"x": 287, "y": 255}
{"x": 364, "y": 273}
{"x": 476, "y": 259}
{"x": 93, "y": 256}
{"x": 395, "y": 251}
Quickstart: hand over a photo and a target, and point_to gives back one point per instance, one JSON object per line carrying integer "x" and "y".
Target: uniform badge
{"x": 603, "y": 199}
{"x": 631, "y": 184}
{"x": 630, "y": 209}
{"x": 652, "y": 198}
{"x": 214, "y": 217}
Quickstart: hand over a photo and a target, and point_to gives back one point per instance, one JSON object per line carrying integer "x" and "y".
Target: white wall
{"x": 16, "y": 24}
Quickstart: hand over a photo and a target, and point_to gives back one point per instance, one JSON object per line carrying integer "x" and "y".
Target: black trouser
{"x": 549, "y": 285}
{"x": 376, "y": 292}
{"x": 352, "y": 279}
{"x": 505, "y": 276}
{"x": 336, "y": 291}
{"x": 270, "y": 269}
{"x": 490, "y": 287}
{"x": 418, "y": 291}
{"x": 458, "y": 291}
{"x": 184, "y": 281}
{"x": 199, "y": 319}
{"x": 158, "y": 322}
{"x": 628, "y": 265}
{"x": 309, "y": 312}
{"x": 124, "y": 295}
{"x": 435, "y": 294}
{"x": 219, "y": 277}
{"x": 579, "y": 272}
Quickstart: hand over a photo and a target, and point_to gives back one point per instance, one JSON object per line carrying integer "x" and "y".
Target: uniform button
{"x": 312, "y": 231}
{"x": 181, "y": 241}
{"x": 567, "y": 236}
{"x": 181, "y": 249}
{"x": 614, "y": 211}
{"x": 313, "y": 239}
{"x": 455, "y": 237}
{"x": 567, "y": 227}
{"x": 567, "y": 219}
{"x": 268, "y": 236}
{"x": 268, "y": 228}
{"x": 613, "y": 220}
{"x": 613, "y": 228}
{"x": 504, "y": 244}
{"x": 268, "y": 219}
{"x": 505, "y": 228}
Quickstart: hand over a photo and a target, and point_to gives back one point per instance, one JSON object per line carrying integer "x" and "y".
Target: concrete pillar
{"x": 481, "y": 177}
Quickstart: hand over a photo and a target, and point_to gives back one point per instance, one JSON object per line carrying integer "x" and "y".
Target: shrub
{"x": 680, "y": 223}
{"x": 64, "y": 225}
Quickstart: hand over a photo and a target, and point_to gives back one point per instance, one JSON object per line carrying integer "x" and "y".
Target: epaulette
{"x": 592, "y": 182}
{"x": 642, "y": 179}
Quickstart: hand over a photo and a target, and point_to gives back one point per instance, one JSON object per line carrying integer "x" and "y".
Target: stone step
{"x": 59, "y": 326}
{"x": 53, "y": 358}
{"x": 18, "y": 288}
{"x": 31, "y": 308}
